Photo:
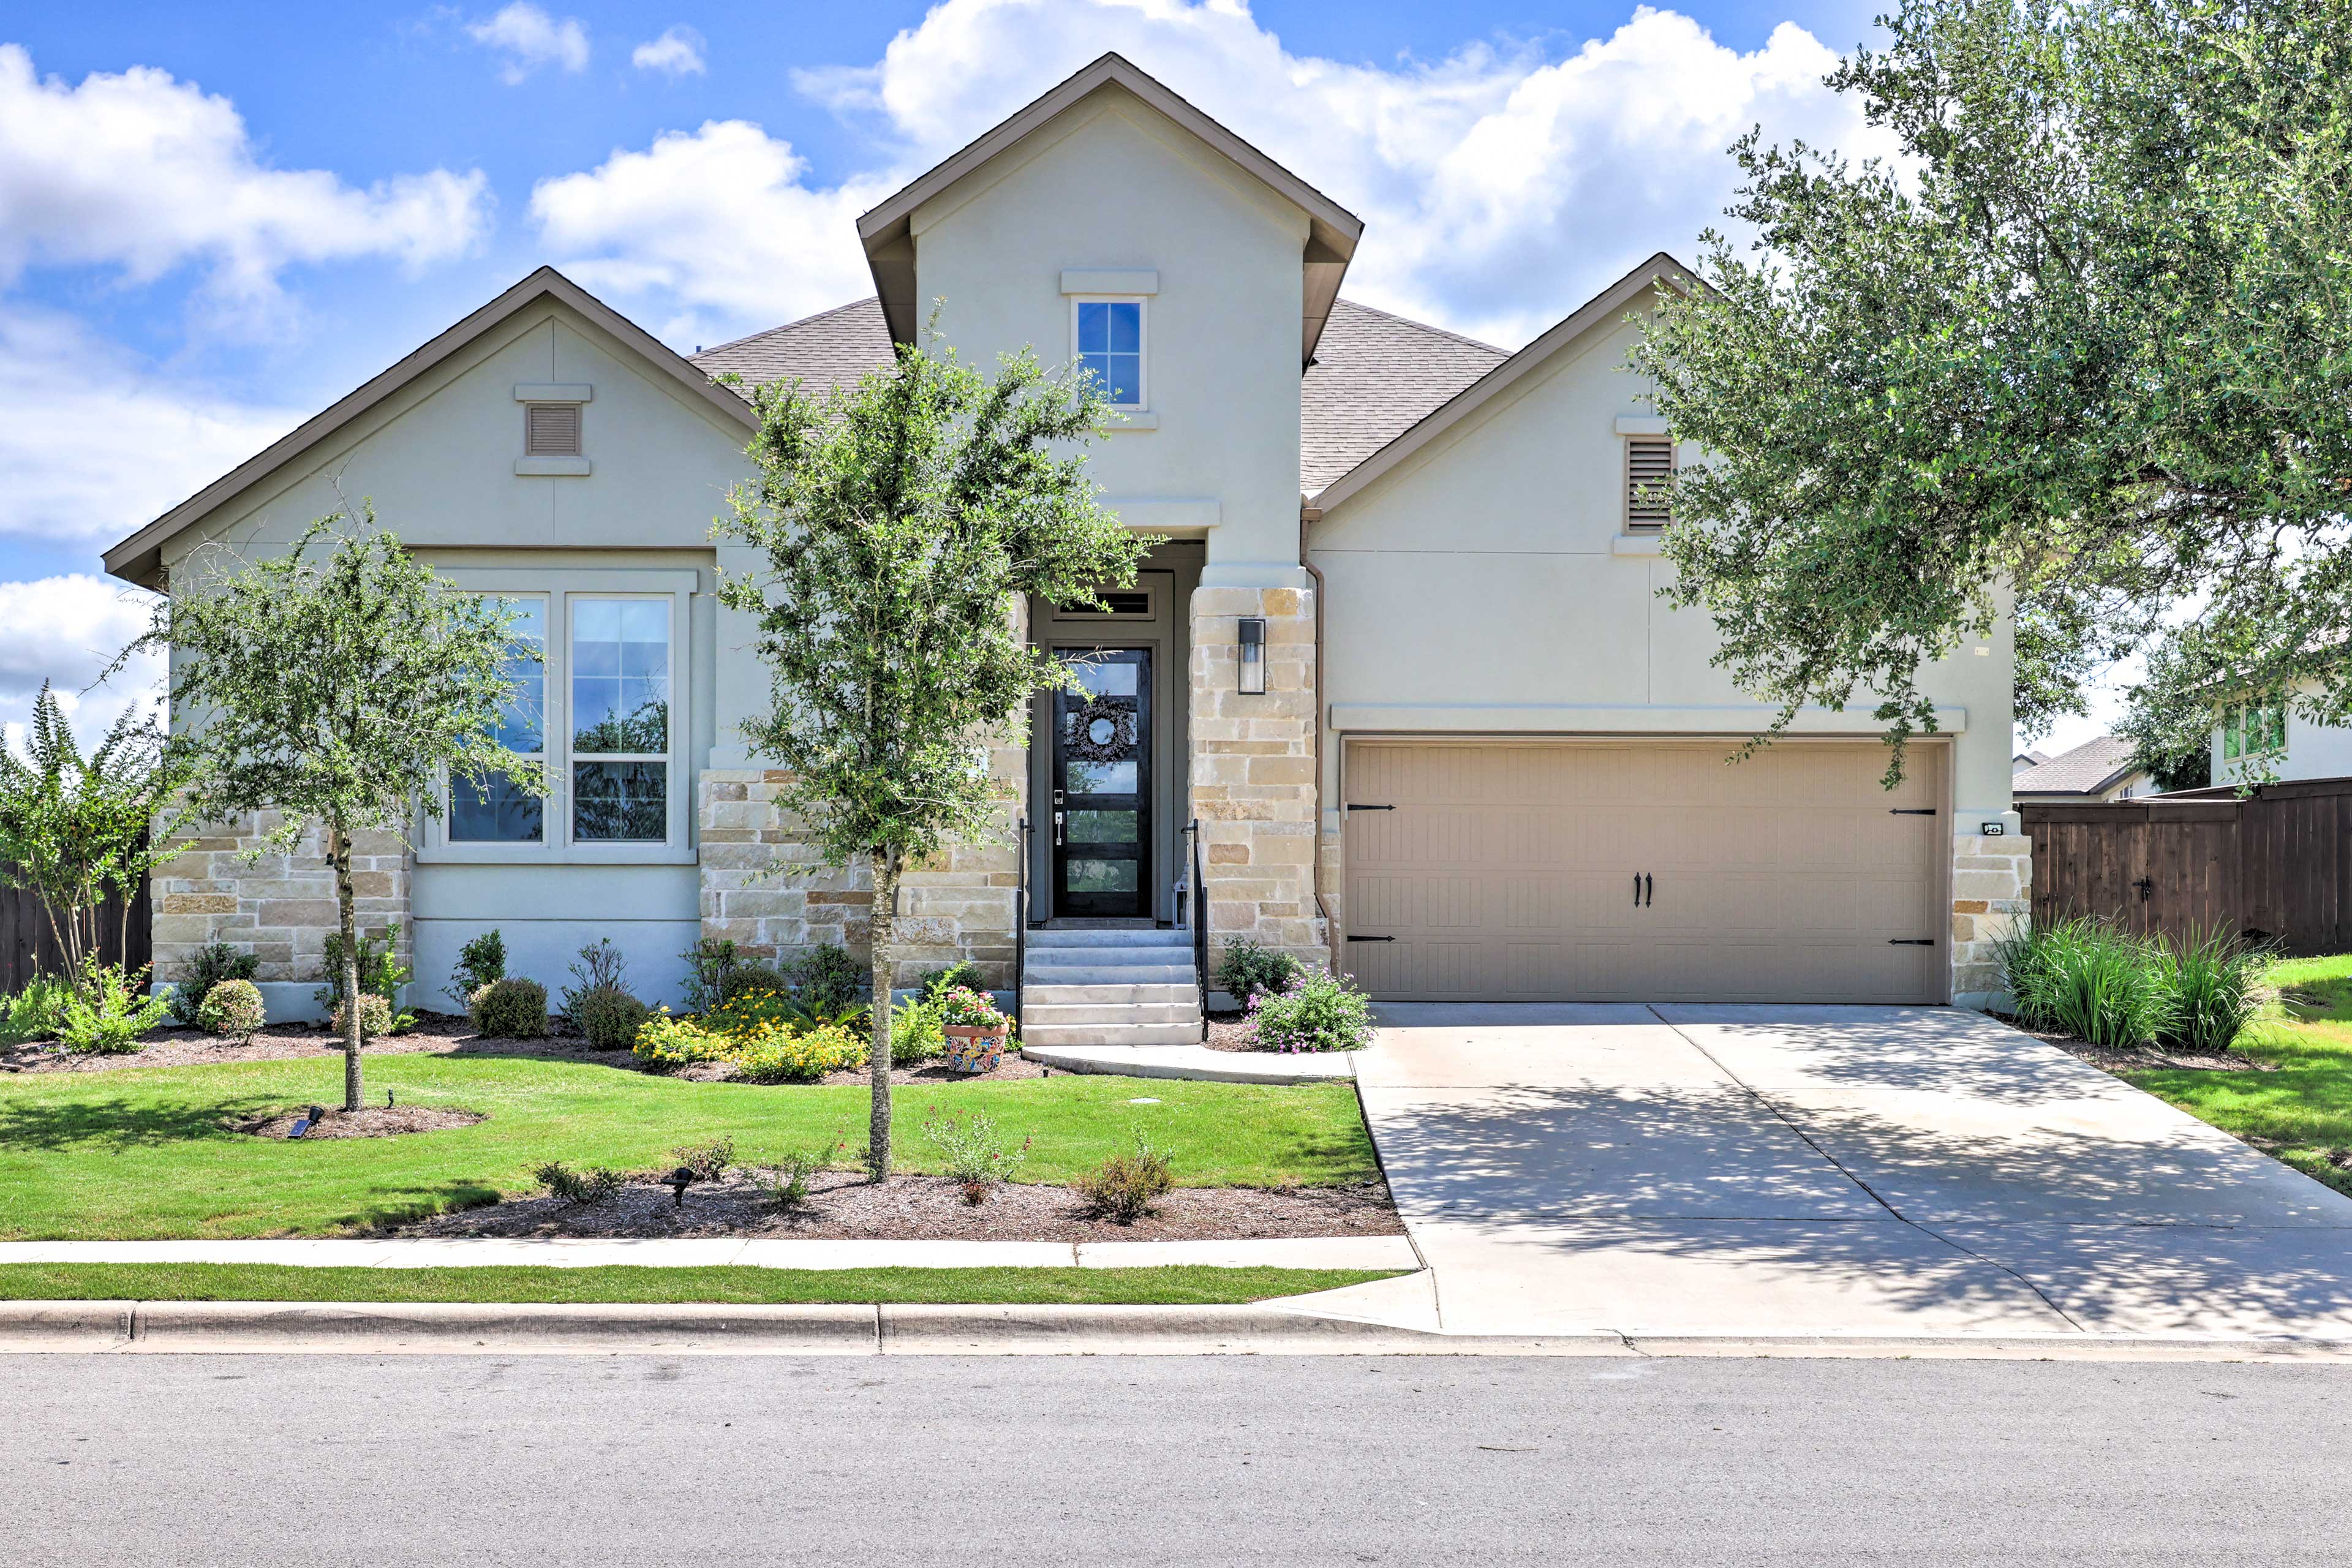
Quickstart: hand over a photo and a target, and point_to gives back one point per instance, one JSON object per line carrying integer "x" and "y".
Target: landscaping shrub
{"x": 965, "y": 974}
{"x": 481, "y": 961}
{"x": 607, "y": 1017}
{"x": 34, "y": 1013}
{"x": 827, "y": 978}
{"x": 1320, "y": 1012}
{"x": 1247, "y": 970}
{"x": 788, "y": 1188}
{"x": 707, "y": 1162}
{"x": 234, "y": 1010}
{"x": 376, "y": 1018}
{"x": 783, "y": 1057}
{"x": 750, "y": 977}
{"x": 665, "y": 1044}
{"x": 1124, "y": 1188}
{"x": 593, "y": 1187}
{"x": 208, "y": 967}
{"x": 914, "y": 1035}
{"x": 2086, "y": 978}
{"x": 976, "y": 1158}
{"x": 381, "y": 974}
{"x": 709, "y": 964}
{"x": 510, "y": 1009}
{"x": 108, "y": 1011}
{"x": 2214, "y": 986}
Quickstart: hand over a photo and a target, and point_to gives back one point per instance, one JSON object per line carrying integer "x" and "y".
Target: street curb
{"x": 817, "y": 1329}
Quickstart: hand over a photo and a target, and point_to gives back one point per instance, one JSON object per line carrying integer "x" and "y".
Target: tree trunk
{"x": 339, "y": 853}
{"x": 885, "y": 928}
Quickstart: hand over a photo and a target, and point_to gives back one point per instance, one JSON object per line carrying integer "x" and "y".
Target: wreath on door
{"x": 1103, "y": 731}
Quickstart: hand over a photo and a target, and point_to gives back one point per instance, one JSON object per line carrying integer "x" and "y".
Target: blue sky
{"x": 215, "y": 220}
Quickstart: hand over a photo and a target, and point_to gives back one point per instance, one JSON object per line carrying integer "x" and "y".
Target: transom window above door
{"x": 1111, "y": 343}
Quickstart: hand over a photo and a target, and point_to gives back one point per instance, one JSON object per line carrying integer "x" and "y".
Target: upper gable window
{"x": 1111, "y": 343}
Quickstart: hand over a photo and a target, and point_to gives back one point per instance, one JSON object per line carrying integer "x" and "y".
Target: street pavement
{"x": 642, "y": 1461}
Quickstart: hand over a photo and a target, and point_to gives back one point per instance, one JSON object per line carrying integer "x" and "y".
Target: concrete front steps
{"x": 1113, "y": 987}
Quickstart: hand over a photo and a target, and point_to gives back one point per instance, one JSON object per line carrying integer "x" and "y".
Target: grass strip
{"x": 1175, "y": 1284}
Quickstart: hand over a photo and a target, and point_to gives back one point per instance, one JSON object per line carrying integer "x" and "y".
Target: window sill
{"x": 545, "y": 854}
{"x": 1638, "y": 545}
{"x": 552, "y": 467}
{"x": 1130, "y": 419}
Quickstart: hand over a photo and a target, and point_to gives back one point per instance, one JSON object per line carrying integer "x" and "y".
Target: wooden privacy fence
{"x": 2277, "y": 862}
{"x": 26, "y": 947}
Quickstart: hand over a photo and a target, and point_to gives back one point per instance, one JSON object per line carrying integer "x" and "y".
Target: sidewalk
{"x": 458, "y": 1252}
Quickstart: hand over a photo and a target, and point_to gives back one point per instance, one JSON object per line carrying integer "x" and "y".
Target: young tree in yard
{"x": 76, "y": 830}
{"x": 337, "y": 684}
{"x": 902, "y": 521}
{"x": 2088, "y": 339}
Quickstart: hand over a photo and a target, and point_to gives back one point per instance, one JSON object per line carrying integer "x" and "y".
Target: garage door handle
{"x": 1645, "y": 890}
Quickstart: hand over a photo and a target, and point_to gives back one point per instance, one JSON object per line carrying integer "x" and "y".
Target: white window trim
{"x": 557, "y": 846}
{"x": 1142, "y": 303}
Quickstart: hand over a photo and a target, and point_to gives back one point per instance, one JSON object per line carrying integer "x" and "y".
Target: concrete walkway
{"x": 447, "y": 1252}
{"x": 1819, "y": 1170}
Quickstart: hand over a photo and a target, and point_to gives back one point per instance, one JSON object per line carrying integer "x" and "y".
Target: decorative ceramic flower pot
{"x": 974, "y": 1049}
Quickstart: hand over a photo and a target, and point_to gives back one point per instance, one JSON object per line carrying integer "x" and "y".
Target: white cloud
{"x": 678, "y": 52}
{"x": 97, "y": 444}
{"x": 144, "y": 172}
{"x": 67, "y": 630}
{"x": 530, "y": 39}
{"x": 722, "y": 218}
{"x": 1500, "y": 188}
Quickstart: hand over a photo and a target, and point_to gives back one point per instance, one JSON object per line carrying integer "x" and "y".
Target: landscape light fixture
{"x": 1253, "y": 667}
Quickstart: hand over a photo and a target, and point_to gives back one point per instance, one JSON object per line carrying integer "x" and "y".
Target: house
{"x": 1402, "y": 658}
{"x": 2026, "y": 759}
{"x": 2096, "y": 769}
{"x": 2270, "y": 742}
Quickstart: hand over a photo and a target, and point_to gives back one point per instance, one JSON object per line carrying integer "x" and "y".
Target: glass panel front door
{"x": 1102, "y": 784}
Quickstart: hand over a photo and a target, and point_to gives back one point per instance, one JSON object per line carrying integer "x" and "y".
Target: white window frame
{"x": 1142, "y": 303}
{"x": 557, "y": 846}
{"x": 547, "y": 610}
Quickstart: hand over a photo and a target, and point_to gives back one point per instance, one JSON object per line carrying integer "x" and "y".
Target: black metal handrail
{"x": 1197, "y": 909}
{"x": 1020, "y": 922}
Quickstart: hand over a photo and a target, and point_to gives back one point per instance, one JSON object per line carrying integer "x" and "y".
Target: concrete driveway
{"x": 1820, "y": 1170}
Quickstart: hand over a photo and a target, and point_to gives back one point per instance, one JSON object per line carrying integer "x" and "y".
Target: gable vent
{"x": 551, "y": 429}
{"x": 1649, "y": 483}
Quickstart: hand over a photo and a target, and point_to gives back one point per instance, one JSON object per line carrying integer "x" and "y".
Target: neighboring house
{"x": 2271, "y": 742}
{"x": 1401, "y": 659}
{"x": 2025, "y": 760}
{"x": 2096, "y": 769}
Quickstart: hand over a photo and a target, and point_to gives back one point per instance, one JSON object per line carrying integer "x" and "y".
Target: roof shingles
{"x": 1374, "y": 376}
{"x": 2088, "y": 769}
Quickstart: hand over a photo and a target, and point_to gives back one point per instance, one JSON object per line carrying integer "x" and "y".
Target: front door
{"x": 1102, "y": 784}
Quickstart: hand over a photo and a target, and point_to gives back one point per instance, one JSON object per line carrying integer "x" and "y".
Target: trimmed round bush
{"x": 608, "y": 1018}
{"x": 510, "y": 1009}
{"x": 233, "y": 1009}
{"x": 375, "y": 1017}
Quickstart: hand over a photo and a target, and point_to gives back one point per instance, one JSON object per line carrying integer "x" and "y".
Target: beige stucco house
{"x": 1401, "y": 659}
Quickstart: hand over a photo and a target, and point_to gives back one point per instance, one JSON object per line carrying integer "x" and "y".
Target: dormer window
{"x": 1109, "y": 343}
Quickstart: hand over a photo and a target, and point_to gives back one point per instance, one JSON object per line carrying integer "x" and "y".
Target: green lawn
{"x": 1179, "y": 1284}
{"x": 142, "y": 1153}
{"x": 2302, "y": 1112}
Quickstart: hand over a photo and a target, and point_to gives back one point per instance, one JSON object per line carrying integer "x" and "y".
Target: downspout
{"x": 1315, "y": 865}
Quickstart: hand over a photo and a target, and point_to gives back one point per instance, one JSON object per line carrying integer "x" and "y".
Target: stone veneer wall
{"x": 1993, "y": 889}
{"x": 278, "y": 906}
{"x": 1252, "y": 762}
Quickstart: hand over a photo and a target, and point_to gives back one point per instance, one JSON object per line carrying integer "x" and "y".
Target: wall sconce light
{"x": 1253, "y": 670}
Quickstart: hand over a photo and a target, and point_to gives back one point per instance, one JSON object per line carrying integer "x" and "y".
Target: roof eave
{"x": 139, "y": 557}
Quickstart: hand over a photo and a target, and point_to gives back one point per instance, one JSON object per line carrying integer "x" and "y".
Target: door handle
{"x": 1649, "y": 890}
{"x": 1057, "y": 830}
{"x": 1637, "y": 889}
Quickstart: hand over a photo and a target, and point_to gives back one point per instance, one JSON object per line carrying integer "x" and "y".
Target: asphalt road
{"x": 464, "y": 1460}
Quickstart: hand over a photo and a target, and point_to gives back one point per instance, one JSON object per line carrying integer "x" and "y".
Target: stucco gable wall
{"x": 1493, "y": 568}
{"x": 1113, "y": 184}
{"x": 437, "y": 459}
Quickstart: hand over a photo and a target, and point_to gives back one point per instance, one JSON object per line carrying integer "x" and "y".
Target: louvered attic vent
{"x": 1649, "y": 483}
{"x": 551, "y": 429}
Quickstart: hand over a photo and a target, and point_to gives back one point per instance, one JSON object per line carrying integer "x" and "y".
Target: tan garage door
{"x": 1605, "y": 871}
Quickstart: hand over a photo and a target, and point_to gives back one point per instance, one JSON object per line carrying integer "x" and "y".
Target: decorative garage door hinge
{"x": 1910, "y": 811}
{"x": 1354, "y": 938}
{"x": 1910, "y": 942}
{"x": 1353, "y": 806}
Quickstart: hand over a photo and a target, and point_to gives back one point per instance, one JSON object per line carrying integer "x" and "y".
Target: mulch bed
{"x": 368, "y": 1121}
{"x": 844, "y": 1205}
{"x": 2146, "y": 1058}
{"x": 1231, "y": 1032}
